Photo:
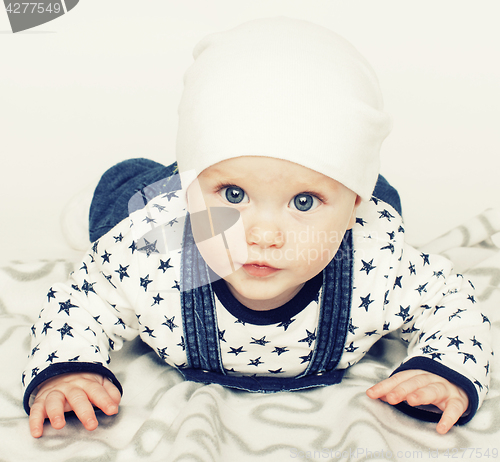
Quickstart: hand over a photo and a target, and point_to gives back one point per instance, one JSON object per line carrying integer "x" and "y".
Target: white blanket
{"x": 164, "y": 418}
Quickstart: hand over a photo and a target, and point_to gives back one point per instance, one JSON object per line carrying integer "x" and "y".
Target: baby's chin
{"x": 262, "y": 299}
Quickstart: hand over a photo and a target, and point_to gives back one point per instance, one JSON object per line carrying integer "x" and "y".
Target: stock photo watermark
{"x": 167, "y": 226}
{"x": 27, "y": 15}
{"x": 400, "y": 454}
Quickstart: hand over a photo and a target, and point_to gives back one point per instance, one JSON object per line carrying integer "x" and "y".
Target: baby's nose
{"x": 266, "y": 235}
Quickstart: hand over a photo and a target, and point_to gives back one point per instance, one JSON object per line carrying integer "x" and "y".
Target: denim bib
{"x": 111, "y": 204}
{"x": 201, "y": 330}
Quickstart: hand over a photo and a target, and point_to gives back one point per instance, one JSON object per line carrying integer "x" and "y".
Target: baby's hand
{"x": 73, "y": 392}
{"x": 419, "y": 387}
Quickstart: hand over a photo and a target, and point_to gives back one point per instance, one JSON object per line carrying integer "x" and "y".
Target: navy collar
{"x": 303, "y": 298}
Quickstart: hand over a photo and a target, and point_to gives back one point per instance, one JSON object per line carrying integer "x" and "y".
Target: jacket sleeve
{"x": 86, "y": 317}
{"x": 442, "y": 323}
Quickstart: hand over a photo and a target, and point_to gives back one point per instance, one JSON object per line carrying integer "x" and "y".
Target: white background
{"x": 102, "y": 83}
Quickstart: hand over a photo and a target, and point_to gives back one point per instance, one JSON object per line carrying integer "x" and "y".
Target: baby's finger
{"x": 99, "y": 396}
{"x": 404, "y": 389}
{"x": 82, "y": 407}
{"x": 54, "y": 407}
{"x": 453, "y": 411}
{"x": 112, "y": 390}
{"x": 381, "y": 389}
{"x": 36, "y": 418}
{"x": 435, "y": 393}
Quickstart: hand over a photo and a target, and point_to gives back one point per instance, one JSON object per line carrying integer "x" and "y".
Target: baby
{"x": 271, "y": 256}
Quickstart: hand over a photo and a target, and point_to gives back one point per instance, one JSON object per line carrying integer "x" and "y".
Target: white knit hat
{"x": 288, "y": 89}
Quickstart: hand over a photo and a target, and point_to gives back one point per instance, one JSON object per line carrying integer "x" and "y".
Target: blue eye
{"x": 234, "y": 194}
{"x": 304, "y": 202}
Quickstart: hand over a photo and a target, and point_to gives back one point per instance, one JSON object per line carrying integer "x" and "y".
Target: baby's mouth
{"x": 259, "y": 269}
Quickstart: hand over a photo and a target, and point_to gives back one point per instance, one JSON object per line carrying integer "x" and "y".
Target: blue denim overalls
{"x": 110, "y": 205}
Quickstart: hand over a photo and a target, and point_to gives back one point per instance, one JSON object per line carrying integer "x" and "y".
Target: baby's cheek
{"x": 327, "y": 251}
{"x": 235, "y": 240}
{"x": 314, "y": 259}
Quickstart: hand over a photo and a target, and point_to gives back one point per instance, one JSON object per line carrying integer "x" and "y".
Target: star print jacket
{"x": 130, "y": 284}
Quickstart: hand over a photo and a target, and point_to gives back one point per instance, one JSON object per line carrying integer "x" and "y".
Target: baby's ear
{"x": 352, "y": 219}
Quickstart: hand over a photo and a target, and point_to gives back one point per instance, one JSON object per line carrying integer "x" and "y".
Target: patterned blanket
{"x": 164, "y": 418}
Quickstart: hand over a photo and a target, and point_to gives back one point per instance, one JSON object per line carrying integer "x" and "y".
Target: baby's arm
{"x": 81, "y": 322}
{"x": 417, "y": 388}
{"x": 77, "y": 392}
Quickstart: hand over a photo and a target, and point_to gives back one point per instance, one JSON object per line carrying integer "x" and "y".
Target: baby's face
{"x": 294, "y": 220}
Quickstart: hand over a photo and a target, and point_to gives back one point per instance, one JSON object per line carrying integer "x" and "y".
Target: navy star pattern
{"x": 88, "y": 287}
{"x": 386, "y": 214}
{"x": 351, "y": 348}
{"x": 161, "y": 208}
{"x": 157, "y": 299}
{"x": 105, "y": 257}
{"x": 46, "y": 327}
{"x": 306, "y": 358}
{"x": 148, "y": 331}
{"x": 455, "y": 341}
{"x": 145, "y": 282}
{"x": 170, "y": 323}
{"x": 122, "y": 272}
{"x": 279, "y": 350}
{"x": 367, "y": 266}
{"x": 162, "y": 352}
{"x": 170, "y": 195}
{"x": 51, "y": 294}
{"x": 236, "y": 351}
{"x": 255, "y": 362}
{"x": 365, "y": 302}
{"x": 277, "y": 371}
{"x": 262, "y": 341}
{"x": 65, "y": 330}
{"x": 309, "y": 338}
{"x": 149, "y": 220}
{"x": 389, "y": 246}
{"x": 476, "y": 343}
{"x": 286, "y": 324}
{"x": 425, "y": 258}
{"x": 66, "y": 306}
{"x": 165, "y": 265}
{"x": 148, "y": 247}
{"x": 403, "y": 312}
{"x": 468, "y": 356}
{"x": 383, "y": 301}
{"x": 422, "y": 288}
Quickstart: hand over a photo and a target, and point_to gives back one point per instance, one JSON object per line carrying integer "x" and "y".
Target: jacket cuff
{"x": 65, "y": 368}
{"x": 452, "y": 376}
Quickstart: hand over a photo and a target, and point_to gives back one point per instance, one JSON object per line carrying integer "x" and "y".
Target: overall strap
{"x": 200, "y": 321}
{"x": 198, "y": 308}
{"x": 334, "y": 311}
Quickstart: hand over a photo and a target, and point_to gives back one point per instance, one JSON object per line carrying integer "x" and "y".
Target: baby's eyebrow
{"x": 224, "y": 177}
{"x": 217, "y": 173}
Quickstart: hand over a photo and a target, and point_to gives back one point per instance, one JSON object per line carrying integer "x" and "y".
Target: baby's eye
{"x": 234, "y": 194}
{"x": 304, "y": 202}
